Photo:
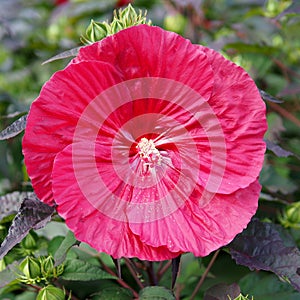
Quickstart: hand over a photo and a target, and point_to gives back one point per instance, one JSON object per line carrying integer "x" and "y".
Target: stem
{"x": 133, "y": 272}
{"x": 196, "y": 290}
{"x": 284, "y": 113}
{"x": 119, "y": 280}
{"x": 163, "y": 270}
{"x": 151, "y": 274}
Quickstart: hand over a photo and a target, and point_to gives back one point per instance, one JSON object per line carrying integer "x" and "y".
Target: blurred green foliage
{"x": 261, "y": 36}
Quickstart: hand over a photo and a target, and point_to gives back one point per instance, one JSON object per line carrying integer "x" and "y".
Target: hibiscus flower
{"x": 150, "y": 146}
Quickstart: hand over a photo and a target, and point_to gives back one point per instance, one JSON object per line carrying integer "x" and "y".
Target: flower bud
{"x": 96, "y": 31}
{"x": 29, "y": 242}
{"x": 50, "y": 292}
{"x": 123, "y": 18}
{"x": 128, "y": 15}
{"x": 47, "y": 266}
{"x": 30, "y": 267}
{"x": 291, "y": 216}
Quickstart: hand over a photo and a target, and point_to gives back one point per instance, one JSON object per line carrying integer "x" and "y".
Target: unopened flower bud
{"x": 30, "y": 267}
{"x": 47, "y": 266}
{"x": 29, "y": 242}
{"x": 96, "y": 31}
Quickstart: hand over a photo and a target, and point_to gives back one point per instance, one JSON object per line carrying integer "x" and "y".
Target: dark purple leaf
{"x": 265, "y": 246}
{"x": 65, "y": 54}
{"x": 268, "y": 97}
{"x": 277, "y": 150}
{"x": 33, "y": 214}
{"x": 14, "y": 129}
{"x": 10, "y": 203}
{"x": 222, "y": 291}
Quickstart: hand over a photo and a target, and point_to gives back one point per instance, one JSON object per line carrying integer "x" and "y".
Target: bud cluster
{"x": 123, "y": 18}
{"x": 35, "y": 270}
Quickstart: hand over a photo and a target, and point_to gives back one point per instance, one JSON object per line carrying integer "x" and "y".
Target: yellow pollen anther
{"x": 149, "y": 155}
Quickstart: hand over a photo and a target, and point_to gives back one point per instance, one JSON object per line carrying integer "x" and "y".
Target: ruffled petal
{"x": 202, "y": 230}
{"x": 149, "y": 51}
{"x": 241, "y": 112}
{"x": 53, "y": 117}
{"x": 102, "y": 232}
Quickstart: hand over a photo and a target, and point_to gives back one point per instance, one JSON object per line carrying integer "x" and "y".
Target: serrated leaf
{"x": 79, "y": 270}
{"x": 222, "y": 292}
{"x": 277, "y": 150}
{"x": 66, "y": 54}
{"x": 10, "y": 203}
{"x": 113, "y": 293}
{"x": 64, "y": 247}
{"x": 14, "y": 129}
{"x": 33, "y": 214}
{"x": 263, "y": 247}
{"x": 156, "y": 293}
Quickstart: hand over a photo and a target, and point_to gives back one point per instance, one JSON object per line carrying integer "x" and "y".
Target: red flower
{"x": 60, "y": 2}
{"x": 149, "y": 145}
{"x": 121, "y": 3}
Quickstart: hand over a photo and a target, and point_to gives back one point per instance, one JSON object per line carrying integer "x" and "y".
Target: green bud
{"x": 47, "y": 266}
{"x": 291, "y": 216}
{"x": 51, "y": 292}
{"x": 2, "y": 264}
{"x": 128, "y": 15}
{"x": 29, "y": 242}
{"x": 31, "y": 269}
{"x": 96, "y": 31}
{"x": 123, "y": 18}
{"x": 116, "y": 26}
{"x": 240, "y": 297}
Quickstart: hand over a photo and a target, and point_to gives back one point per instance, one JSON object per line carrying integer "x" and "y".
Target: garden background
{"x": 261, "y": 36}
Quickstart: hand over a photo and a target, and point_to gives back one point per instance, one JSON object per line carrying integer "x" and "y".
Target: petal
{"x": 149, "y": 51}
{"x": 202, "y": 230}
{"x": 54, "y": 115}
{"x": 241, "y": 112}
{"x": 89, "y": 225}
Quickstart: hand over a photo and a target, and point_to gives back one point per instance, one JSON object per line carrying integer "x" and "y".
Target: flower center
{"x": 149, "y": 155}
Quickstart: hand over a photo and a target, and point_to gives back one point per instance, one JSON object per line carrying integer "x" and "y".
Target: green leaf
{"x": 265, "y": 246}
{"x": 267, "y": 286}
{"x": 156, "y": 293}
{"x": 274, "y": 182}
{"x": 78, "y": 270}
{"x": 64, "y": 247}
{"x": 14, "y": 129}
{"x": 222, "y": 291}
{"x": 113, "y": 293}
{"x": 8, "y": 275}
